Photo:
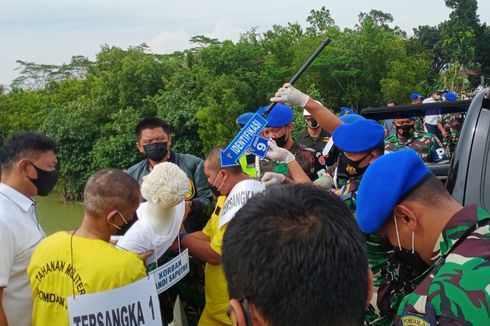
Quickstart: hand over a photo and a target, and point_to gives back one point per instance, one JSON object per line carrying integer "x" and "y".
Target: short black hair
{"x": 150, "y": 123}
{"x": 430, "y": 192}
{"x": 24, "y": 144}
{"x": 213, "y": 157}
{"x": 296, "y": 253}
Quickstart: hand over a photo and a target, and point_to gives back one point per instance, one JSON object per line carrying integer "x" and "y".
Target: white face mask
{"x": 122, "y": 217}
{"x": 398, "y": 237}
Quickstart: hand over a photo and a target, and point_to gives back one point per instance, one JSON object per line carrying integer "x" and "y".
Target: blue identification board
{"x": 242, "y": 142}
{"x": 259, "y": 146}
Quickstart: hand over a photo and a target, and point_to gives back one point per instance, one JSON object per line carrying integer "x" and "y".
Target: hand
{"x": 279, "y": 154}
{"x": 289, "y": 95}
{"x": 272, "y": 178}
{"x": 444, "y": 134}
{"x": 145, "y": 254}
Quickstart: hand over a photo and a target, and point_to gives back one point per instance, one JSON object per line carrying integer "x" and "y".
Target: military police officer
{"x": 443, "y": 241}
{"x": 427, "y": 146}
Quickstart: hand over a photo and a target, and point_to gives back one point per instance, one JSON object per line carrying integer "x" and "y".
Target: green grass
{"x": 55, "y": 216}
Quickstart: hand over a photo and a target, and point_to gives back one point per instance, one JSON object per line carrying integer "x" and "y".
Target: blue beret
{"x": 415, "y": 96}
{"x": 386, "y": 182}
{"x": 346, "y": 110}
{"x": 281, "y": 115}
{"x": 450, "y": 96}
{"x": 351, "y": 118}
{"x": 243, "y": 118}
{"x": 360, "y": 136}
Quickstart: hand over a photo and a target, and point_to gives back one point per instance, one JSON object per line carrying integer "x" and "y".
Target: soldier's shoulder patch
{"x": 414, "y": 321}
{"x": 191, "y": 191}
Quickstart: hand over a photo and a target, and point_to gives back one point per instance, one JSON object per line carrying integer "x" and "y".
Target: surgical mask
{"x": 46, "y": 180}
{"x": 216, "y": 190}
{"x": 349, "y": 168}
{"x": 312, "y": 123}
{"x": 409, "y": 257}
{"x": 122, "y": 217}
{"x": 156, "y": 151}
{"x": 280, "y": 141}
{"x": 405, "y": 130}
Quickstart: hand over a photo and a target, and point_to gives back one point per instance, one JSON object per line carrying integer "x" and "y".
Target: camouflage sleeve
{"x": 438, "y": 153}
{"x": 457, "y": 293}
{"x": 386, "y": 298}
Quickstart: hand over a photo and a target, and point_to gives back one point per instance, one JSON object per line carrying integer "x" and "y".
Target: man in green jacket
{"x": 155, "y": 142}
{"x": 433, "y": 234}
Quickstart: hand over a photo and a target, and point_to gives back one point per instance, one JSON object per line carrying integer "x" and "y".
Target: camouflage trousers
{"x": 190, "y": 291}
{"x": 450, "y": 142}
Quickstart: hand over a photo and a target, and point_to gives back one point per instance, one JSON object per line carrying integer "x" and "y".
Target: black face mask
{"x": 156, "y": 151}
{"x": 45, "y": 182}
{"x": 412, "y": 260}
{"x": 348, "y": 168}
{"x": 216, "y": 190}
{"x": 280, "y": 141}
{"x": 405, "y": 130}
{"x": 312, "y": 123}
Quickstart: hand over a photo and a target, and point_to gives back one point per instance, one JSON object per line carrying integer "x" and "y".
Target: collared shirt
{"x": 20, "y": 233}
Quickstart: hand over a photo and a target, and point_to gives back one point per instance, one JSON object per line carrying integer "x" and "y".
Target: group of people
{"x": 324, "y": 231}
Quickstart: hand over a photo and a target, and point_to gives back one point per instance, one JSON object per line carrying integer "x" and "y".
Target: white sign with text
{"x": 134, "y": 304}
{"x": 167, "y": 275}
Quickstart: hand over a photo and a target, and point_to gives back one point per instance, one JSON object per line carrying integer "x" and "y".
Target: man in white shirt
{"x": 432, "y": 122}
{"x": 28, "y": 163}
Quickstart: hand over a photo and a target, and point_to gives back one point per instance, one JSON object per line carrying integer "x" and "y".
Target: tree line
{"x": 91, "y": 107}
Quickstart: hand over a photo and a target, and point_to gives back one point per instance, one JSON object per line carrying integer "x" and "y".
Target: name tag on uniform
{"x": 167, "y": 275}
{"x": 133, "y": 304}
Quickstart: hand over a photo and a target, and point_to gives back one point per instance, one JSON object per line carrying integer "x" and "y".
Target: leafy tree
{"x": 115, "y": 145}
{"x": 74, "y": 128}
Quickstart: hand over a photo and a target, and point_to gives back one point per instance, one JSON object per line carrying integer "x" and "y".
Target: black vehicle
{"x": 467, "y": 176}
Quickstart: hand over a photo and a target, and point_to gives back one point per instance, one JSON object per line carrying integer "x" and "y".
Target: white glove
{"x": 279, "y": 154}
{"x": 272, "y": 178}
{"x": 289, "y": 95}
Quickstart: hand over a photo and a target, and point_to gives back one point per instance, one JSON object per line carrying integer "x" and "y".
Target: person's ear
{"x": 406, "y": 215}
{"x": 237, "y": 312}
{"x": 111, "y": 217}
{"x": 24, "y": 167}
{"x": 169, "y": 145}
{"x": 372, "y": 156}
{"x": 140, "y": 147}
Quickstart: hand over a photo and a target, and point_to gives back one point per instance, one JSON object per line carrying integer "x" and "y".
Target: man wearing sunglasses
{"x": 294, "y": 256}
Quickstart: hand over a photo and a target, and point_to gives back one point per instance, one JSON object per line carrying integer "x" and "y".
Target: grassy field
{"x": 55, "y": 216}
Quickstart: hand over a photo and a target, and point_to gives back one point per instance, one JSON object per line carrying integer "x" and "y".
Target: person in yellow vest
{"x": 84, "y": 261}
{"x": 247, "y": 161}
{"x": 233, "y": 188}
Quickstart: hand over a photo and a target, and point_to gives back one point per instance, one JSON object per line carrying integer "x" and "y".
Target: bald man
{"x": 84, "y": 261}
{"x": 233, "y": 189}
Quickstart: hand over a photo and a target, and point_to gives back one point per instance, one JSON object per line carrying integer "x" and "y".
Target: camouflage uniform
{"x": 452, "y": 126}
{"x": 456, "y": 292}
{"x": 392, "y": 281}
{"x": 427, "y": 146}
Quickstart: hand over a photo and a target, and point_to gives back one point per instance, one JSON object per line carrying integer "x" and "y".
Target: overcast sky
{"x": 52, "y": 31}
